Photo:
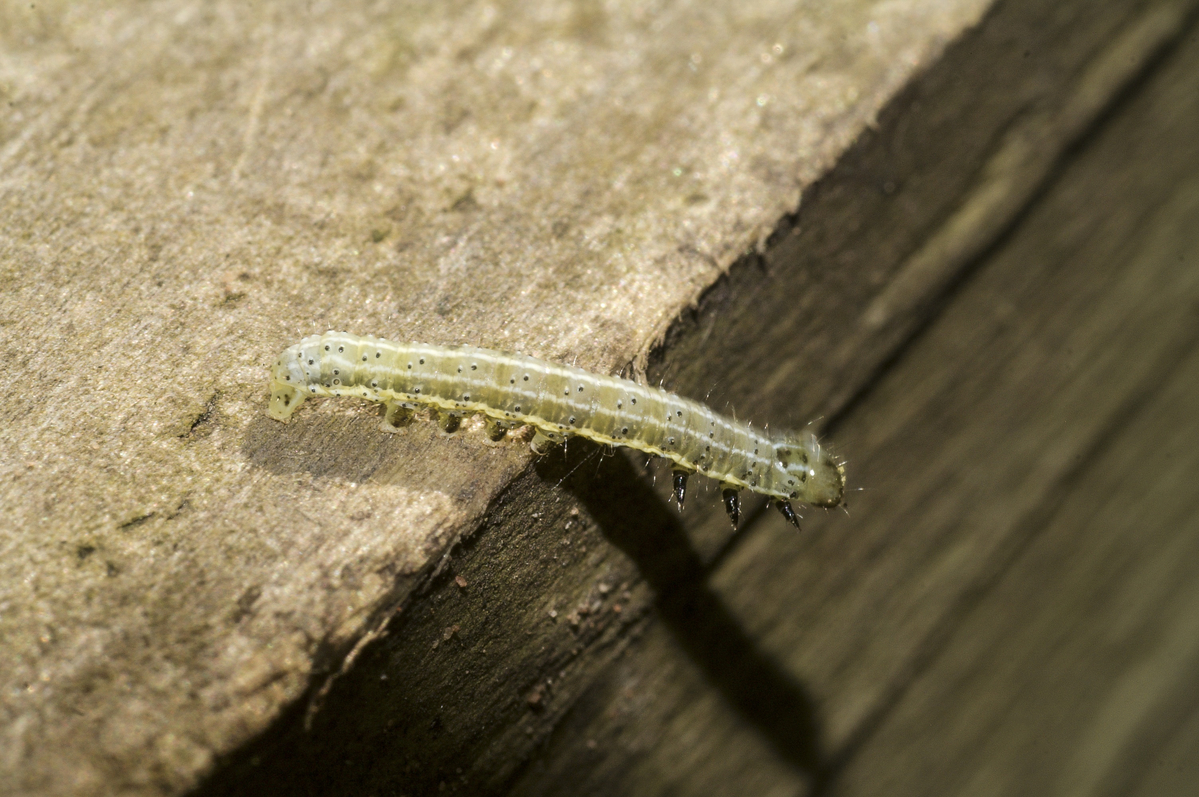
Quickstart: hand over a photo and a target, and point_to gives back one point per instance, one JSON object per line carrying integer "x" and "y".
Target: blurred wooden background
{"x": 987, "y": 295}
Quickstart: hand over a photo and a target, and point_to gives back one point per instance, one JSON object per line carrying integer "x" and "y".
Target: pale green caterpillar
{"x": 559, "y": 401}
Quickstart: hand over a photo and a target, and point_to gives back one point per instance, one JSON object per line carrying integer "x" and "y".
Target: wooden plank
{"x": 1072, "y": 667}
{"x": 1076, "y": 668}
{"x": 882, "y": 645}
{"x": 187, "y": 188}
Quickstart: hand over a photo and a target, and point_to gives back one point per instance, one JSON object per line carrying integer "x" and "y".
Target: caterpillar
{"x": 559, "y": 402}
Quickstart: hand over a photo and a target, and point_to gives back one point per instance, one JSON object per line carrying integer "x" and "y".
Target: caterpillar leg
{"x": 449, "y": 421}
{"x": 399, "y": 414}
{"x": 284, "y": 400}
{"x": 732, "y": 504}
{"x": 680, "y": 487}
{"x": 788, "y": 512}
{"x": 543, "y": 442}
{"x": 495, "y": 429}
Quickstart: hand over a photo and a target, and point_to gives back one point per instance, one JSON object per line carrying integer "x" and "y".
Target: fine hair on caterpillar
{"x": 560, "y": 402}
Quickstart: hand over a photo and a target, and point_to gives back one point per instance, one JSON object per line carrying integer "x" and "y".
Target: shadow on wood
{"x": 634, "y": 518}
{"x": 377, "y": 729}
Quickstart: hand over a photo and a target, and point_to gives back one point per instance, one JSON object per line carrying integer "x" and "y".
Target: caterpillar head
{"x": 812, "y": 470}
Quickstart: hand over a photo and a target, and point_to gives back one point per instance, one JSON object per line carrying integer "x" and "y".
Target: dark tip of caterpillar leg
{"x": 788, "y": 512}
{"x": 680, "y": 488}
{"x": 496, "y": 431}
{"x": 449, "y": 422}
{"x": 396, "y": 417}
{"x": 732, "y": 504}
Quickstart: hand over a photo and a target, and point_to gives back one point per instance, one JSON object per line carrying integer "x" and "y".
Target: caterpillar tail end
{"x": 284, "y": 400}
{"x": 285, "y": 375}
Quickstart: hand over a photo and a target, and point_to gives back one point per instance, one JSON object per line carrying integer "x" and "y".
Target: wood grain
{"x": 1011, "y": 609}
{"x": 185, "y": 188}
{"x": 196, "y": 599}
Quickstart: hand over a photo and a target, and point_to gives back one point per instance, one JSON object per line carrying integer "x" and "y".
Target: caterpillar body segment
{"x": 559, "y": 402}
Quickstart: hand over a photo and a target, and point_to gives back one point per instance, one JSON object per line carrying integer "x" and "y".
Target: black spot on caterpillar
{"x": 559, "y": 401}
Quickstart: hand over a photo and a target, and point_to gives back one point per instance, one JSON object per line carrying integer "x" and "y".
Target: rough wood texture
{"x": 187, "y": 188}
{"x": 1013, "y": 609}
{"x": 702, "y": 704}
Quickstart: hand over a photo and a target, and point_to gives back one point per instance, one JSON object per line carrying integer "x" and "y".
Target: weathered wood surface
{"x": 702, "y": 704}
{"x": 187, "y": 188}
{"x": 1014, "y": 607}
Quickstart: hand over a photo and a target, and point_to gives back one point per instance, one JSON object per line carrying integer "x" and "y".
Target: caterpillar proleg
{"x": 560, "y": 401}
